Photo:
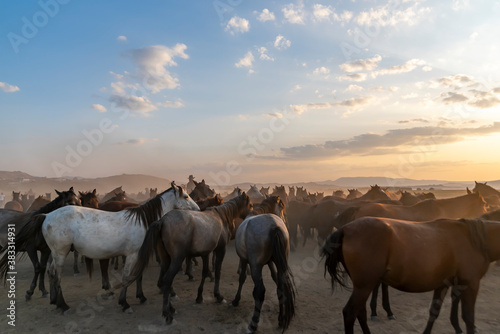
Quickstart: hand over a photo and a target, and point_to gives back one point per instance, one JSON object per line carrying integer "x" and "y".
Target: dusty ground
{"x": 318, "y": 310}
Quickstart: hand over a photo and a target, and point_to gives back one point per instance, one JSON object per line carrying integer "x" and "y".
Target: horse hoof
{"x": 142, "y": 300}
{"x": 27, "y": 296}
{"x": 234, "y": 304}
{"x": 190, "y": 279}
{"x": 199, "y": 300}
{"x": 67, "y": 312}
{"x": 374, "y": 318}
{"x": 169, "y": 319}
{"x": 174, "y": 298}
{"x": 128, "y": 310}
{"x": 391, "y": 317}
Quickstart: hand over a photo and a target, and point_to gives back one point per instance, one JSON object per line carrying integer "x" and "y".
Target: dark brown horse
{"x": 201, "y": 191}
{"x": 188, "y": 234}
{"x": 89, "y": 199}
{"x": 210, "y": 202}
{"x": 412, "y": 257}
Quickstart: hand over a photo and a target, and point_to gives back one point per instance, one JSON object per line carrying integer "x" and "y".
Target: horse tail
{"x": 332, "y": 250}
{"x": 285, "y": 277}
{"x": 28, "y": 235}
{"x": 89, "y": 264}
{"x": 145, "y": 252}
{"x": 346, "y": 216}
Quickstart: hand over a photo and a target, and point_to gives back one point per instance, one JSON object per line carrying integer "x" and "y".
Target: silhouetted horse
{"x": 201, "y": 191}
{"x": 15, "y": 204}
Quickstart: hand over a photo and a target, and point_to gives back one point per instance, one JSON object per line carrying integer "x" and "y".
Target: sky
{"x": 251, "y": 91}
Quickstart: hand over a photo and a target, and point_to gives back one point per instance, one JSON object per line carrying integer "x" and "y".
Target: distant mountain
{"x": 14, "y": 175}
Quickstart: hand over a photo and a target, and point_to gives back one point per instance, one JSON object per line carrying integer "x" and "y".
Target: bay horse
{"x": 89, "y": 199}
{"x": 181, "y": 234}
{"x": 201, "y": 191}
{"x": 100, "y": 234}
{"x": 39, "y": 202}
{"x": 262, "y": 239}
{"x": 15, "y": 204}
{"x": 209, "y": 202}
{"x": 457, "y": 254}
{"x": 466, "y": 206}
{"x": 490, "y": 194}
{"x": 32, "y": 243}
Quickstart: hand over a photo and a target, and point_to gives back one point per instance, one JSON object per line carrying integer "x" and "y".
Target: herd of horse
{"x": 411, "y": 242}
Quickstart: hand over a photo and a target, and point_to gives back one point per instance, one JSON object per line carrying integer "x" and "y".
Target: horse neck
{"x": 486, "y": 190}
{"x": 55, "y": 204}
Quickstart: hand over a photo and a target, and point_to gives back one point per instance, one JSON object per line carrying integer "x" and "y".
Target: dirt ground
{"x": 317, "y": 310}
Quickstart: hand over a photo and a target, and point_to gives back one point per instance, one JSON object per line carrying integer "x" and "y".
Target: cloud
{"x": 171, "y": 104}
{"x": 266, "y": 15}
{"x": 281, "y": 43}
{"x": 327, "y": 13}
{"x": 296, "y": 88}
{"x": 450, "y": 98}
{"x": 409, "y": 66}
{"x": 321, "y": 70}
{"x": 99, "y": 107}
{"x": 391, "y": 14}
{"x": 392, "y": 142}
{"x": 484, "y": 100}
{"x": 354, "y": 88}
{"x": 414, "y": 120}
{"x": 426, "y": 68}
{"x": 136, "y": 141}
{"x": 361, "y": 64}
{"x": 263, "y": 54}
{"x": 140, "y": 104}
{"x": 246, "y": 61}
{"x": 237, "y": 25}
{"x": 152, "y": 63}
{"x": 122, "y": 38}
{"x": 351, "y": 103}
{"x": 8, "y": 88}
{"x": 454, "y": 81}
{"x": 294, "y": 13}
{"x": 358, "y": 77}
{"x": 275, "y": 115}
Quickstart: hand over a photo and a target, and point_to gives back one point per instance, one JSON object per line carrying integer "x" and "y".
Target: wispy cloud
{"x": 237, "y": 25}
{"x": 139, "y": 104}
{"x": 263, "y": 54}
{"x": 122, "y": 38}
{"x": 327, "y": 13}
{"x": 391, "y": 15}
{"x": 351, "y": 103}
{"x": 392, "y": 142}
{"x": 265, "y": 15}
{"x": 409, "y": 66}
{"x": 8, "y": 88}
{"x": 246, "y": 61}
{"x": 357, "y": 77}
{"x": 171, "y": 104}
{"x": 361, "y": 64}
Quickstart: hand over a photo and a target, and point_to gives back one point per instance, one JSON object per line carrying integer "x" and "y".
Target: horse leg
{"x": 219, "y": 257}
{"x": 199, "y": 297}
{"x": 122, "y": 300}
{"x": 75, "y": 263}
{"x": 189, "y": 268}
{"x": 437, "y": 302}
{"x": 356, "y": 308}
{"x": 57, "y": 267}
{"x": 259, "y": 292}
{"x": 373, "y": 303}
{"x": 243, "y": 277}
{"x": 468, "y": 299}
{"x": 455, "y": 299}
{"x": 116, "y": 258}
{"x": 139, "y": 293}
{"x": 36, "y": 266}
{"x": 279, "y": 292}
{"x": 385, "y": 302}
{"x": 173, "y": 267}
{"x": 44, "y": 258}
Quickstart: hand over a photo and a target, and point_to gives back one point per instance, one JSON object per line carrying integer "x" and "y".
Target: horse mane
{"x": 148, "y": 212}
{"x": 53, "y": 205}
{"x": 229, "y": 210}
{"x": 477, "y": 232}
{"x": 267, "y": 206}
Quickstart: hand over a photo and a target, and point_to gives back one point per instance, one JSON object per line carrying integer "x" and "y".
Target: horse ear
{"x": 94, "y": 192}
{"x": 468, "y": 191}
{"x": 475, "y": 182}
{"x": 57, "y": 192}
{"x": 71, "y": 189}
{"x": 81, "y": 194}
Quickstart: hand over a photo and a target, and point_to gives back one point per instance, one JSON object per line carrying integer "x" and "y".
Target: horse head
{"x": 67, "y": 198}
{"x": 182, "y": 200}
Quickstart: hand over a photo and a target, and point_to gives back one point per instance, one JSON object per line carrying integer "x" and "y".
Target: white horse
{"x": 102, "y": 235}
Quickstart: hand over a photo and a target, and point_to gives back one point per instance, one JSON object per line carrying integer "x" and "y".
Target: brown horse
{"x": 412, "y": 257}
{"x": 281, "y": 192}
{"x": 490, "y": 194}
{"x": 39, "y": 202}
{"x": 408, "y": 198}
{"x": 201, "y": 191}
{"x": 466, "y": 206}
{"x": 15, "y": 204}
{"x": 209, "y": 202}
{"x": 89, "y": 199}
{"x": 264, "y": 191}
{"x": 353, "y": 194}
